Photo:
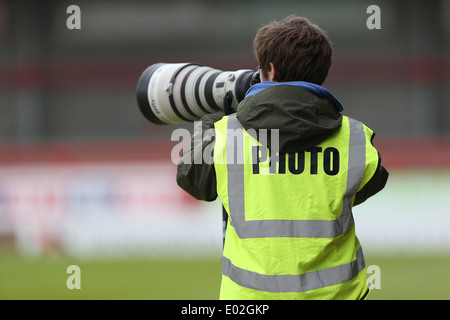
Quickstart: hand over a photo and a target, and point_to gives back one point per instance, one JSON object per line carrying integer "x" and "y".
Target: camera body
{"x": 184, "y": 92}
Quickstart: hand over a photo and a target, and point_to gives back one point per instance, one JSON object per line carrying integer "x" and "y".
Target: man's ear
{"x": 272, "y": 74}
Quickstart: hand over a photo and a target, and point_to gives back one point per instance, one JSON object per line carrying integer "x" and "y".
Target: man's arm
{"x": 195, "y": 174}
{"x": 375, "y": 184}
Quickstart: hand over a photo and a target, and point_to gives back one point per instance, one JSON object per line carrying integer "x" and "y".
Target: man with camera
{"x": 290, "y": 232}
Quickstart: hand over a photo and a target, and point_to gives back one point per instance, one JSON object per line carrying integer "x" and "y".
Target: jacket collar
{"x": 312, "y": 87}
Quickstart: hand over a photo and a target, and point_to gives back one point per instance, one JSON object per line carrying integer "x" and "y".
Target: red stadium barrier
{"x": 414, "y": 153}
{"x": 395, "y": 153}
{"x": 88, "y": 75}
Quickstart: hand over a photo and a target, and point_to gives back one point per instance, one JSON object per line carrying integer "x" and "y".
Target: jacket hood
{"x": 304, "y": 113}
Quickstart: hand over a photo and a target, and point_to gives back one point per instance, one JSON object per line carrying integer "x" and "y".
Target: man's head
{"x": 293, "y": 49}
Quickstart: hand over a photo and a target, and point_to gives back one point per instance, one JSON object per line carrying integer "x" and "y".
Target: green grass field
{"x": 401, "y": 278}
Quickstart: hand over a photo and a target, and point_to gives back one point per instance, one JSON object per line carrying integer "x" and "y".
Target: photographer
{"x": 290, "y": 233}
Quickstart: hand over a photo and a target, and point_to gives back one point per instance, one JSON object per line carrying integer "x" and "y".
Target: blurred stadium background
{"x": 86, "y": 180}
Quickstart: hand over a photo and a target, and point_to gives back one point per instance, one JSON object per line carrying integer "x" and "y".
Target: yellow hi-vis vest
{"x": 291, "y": 233}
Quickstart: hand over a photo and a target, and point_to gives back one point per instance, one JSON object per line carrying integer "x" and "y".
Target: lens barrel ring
{"x": 171, "y": 98}
{"x": 142, "y": 96}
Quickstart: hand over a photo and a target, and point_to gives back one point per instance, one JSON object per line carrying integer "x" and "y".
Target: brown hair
{"x": 298, "y": 49}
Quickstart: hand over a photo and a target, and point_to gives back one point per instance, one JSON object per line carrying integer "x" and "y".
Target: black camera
{"x": 184, "y": 92}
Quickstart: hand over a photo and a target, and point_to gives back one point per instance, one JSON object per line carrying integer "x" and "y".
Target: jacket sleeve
{"x": 374, "y": 185}
{"x": 195, "y": 170}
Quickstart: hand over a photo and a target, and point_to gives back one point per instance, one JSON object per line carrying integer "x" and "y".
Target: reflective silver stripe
{"x": 294, "y": 282}
{"x": 290, "y": 228}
